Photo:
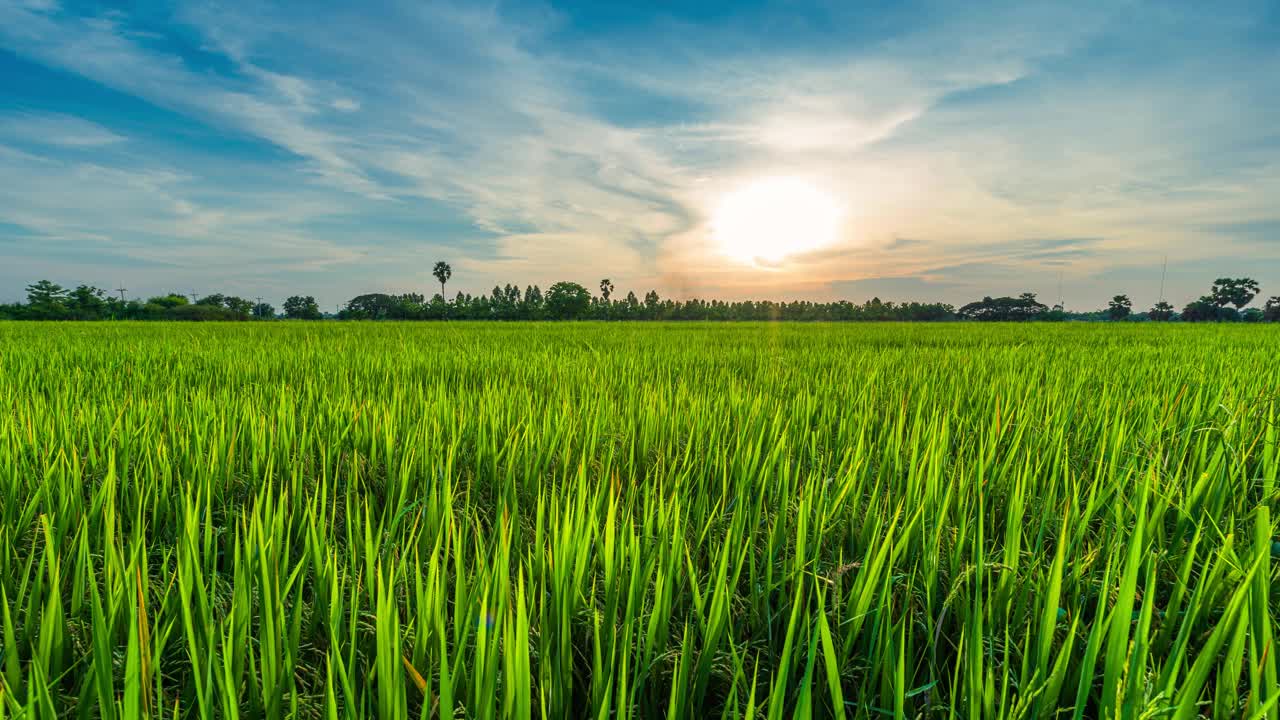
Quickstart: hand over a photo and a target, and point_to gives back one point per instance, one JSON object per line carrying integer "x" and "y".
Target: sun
{"x": 771, "y": 219}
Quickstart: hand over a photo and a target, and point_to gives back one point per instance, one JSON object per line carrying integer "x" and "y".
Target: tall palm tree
{"x": 442, "y": 272}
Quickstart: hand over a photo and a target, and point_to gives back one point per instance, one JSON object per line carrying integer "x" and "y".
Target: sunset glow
{"x": 771, "y": 219}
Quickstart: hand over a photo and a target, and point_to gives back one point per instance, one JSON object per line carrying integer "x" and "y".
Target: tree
{"x": 1162, "y": 312}
{"x": 1271, "y": 313}
{"x": 165, "y": 302}
{"x": 442, "y": 272}
{"x": 370, "y": 306}
{"x": 1004, "y": 309}
{"x": 606, "y": 288}
{"x": 1234, "y": 291}
{"x": 1119, "y": 308}
{"x": 46, "y": 300}
{"x": 567, "y": 301}
{"x": 264, "y": 311}
{"x": 238, "y": 305}
{"x": 531, "y": 307}
{"x": 1203, "y": 310}
{"x": 86, "y": 303}
{"x": 199, "y": 312}
{"x": 302, "y": 307}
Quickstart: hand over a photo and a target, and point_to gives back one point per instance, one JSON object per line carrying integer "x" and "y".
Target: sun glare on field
{"x": 773, "y": 218}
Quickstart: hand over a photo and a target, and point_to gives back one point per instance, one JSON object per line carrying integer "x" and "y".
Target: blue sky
{"x": 331, "y": 149}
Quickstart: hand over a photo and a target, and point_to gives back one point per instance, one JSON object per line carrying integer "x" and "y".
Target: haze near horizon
{"x": 926, "y": 151}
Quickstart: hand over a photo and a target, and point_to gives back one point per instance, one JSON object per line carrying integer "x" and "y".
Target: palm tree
{"x": 1234, "y": 291}
{"x": 442, "y": 272}
{"x": 1162, "y": 311}
{"x": 606, "y": 288}
{"x": 1119, "y": 307}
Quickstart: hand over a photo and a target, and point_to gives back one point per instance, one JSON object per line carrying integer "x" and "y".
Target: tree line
{"x": 46, "y": 300}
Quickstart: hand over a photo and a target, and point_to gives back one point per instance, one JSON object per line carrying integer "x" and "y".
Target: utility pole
{"x": 120, "y": 290}
{"x": 193, "y": 297}
{"x": 1164, "y": 271}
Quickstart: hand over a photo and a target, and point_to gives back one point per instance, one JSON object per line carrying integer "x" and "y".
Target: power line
{"x": 122, "y": 292}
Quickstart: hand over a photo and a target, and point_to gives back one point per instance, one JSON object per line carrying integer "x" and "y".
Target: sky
{"x": 330, "y": 148}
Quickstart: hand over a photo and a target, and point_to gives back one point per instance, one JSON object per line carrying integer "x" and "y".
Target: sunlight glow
{"x": 774, "y": 218}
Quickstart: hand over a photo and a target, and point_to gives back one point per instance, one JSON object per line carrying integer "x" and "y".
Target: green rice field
{"x": 583, "y": 520}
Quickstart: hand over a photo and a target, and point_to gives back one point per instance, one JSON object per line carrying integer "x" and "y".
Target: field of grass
{"x": 689, "y": 521}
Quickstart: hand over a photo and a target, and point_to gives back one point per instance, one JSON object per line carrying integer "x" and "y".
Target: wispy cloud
{"x": 527, "y": 147}
{"x": 43, "y": 128}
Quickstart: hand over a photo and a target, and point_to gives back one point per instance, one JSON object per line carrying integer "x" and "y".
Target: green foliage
{"x": 302, "y": 307}
{"x": 371, "y": 306}
{"x": 202, "y": 312}
{"x": 45, "y": 293}
{"x": 442, "y": 271}
{"x": 172, "y": 300}
{"x": 46, "y": 301}
{"x": 567, "y": 301}
{"x": 679, "y": 520}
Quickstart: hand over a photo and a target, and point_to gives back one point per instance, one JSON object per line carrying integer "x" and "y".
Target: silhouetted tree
{"x": 1234, "y": 291}
{"x": 47, "y": 300}
{"x": 443, "y": 272}
{"x": 1271, "y": 312}
{"x": 1005, "y": 309}
{"x": 651, "y": 305}
{"x": 1161, "y": 312}
{"x": 302, "y": 307}
{"x": 1119, "y": 308}
{"x": 1203, "y": 310}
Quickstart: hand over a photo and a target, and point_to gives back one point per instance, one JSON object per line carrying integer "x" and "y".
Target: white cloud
{"x": 960, "y": 130}
{"x": 55, "y": 129}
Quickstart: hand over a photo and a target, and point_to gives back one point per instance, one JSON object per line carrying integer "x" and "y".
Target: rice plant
{"x": 591, "y": 520}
